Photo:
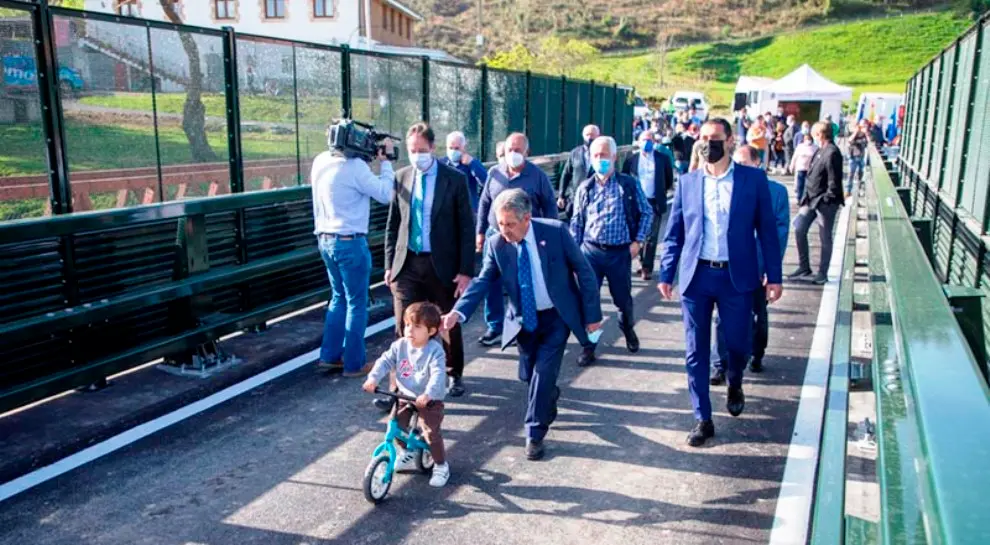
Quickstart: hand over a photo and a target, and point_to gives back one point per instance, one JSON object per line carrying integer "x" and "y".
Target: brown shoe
{"x": 360, "y": 372}
{"x": 330, "y": 367}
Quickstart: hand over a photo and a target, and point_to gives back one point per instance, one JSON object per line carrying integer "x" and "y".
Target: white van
{"x": 683, "y": 100}
{"x": 873, "y": 106}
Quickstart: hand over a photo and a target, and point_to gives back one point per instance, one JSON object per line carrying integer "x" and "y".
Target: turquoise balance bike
{"x": 378, "y": 476}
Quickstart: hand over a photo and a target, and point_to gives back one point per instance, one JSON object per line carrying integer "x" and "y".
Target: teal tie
{"x": 416, "y": 232}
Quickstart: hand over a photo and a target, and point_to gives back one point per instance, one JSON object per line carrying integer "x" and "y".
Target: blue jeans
{"x": 802, "y": 178}
{"x": 349, "y": 268}
{"x": 495, "y": 300}
{"x": 855, "y": 170}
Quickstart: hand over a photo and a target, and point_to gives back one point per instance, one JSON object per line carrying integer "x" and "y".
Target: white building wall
{"x": 298, "y": 24}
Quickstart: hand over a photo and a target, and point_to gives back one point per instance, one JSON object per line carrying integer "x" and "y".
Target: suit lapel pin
{"x": 543, "y": 243}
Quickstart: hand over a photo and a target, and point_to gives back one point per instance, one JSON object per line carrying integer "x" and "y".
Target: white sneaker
{"x": 406, "y": 461}
{"x": 441, "y": 472}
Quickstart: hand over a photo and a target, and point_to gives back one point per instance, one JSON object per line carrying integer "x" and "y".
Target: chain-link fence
{"x": 99, "y": 111}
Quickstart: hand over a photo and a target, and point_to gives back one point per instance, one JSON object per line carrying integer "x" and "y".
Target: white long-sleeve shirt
{"x": 341, "y": 189}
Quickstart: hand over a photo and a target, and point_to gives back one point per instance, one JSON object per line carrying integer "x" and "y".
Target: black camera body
{"x": 356, "y": 139}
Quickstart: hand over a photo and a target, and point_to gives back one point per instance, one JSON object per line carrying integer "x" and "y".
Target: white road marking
{"x": 141, "y": 431}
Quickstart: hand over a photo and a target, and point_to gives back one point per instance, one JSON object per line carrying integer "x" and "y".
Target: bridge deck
{"x": 284, "y": 462}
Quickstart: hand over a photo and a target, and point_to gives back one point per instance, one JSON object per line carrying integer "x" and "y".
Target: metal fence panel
{"x": 506, "y": 106}
{"x": 24, "y": 188}
{"x": 387, "y": 92}
{"x": 978, "y": 167}
{"x": 319, "y": 90}
{"x": 952, "y": 178}
{"x": 577, "y": 112}
{"x": 544, "y": 115}
{"x": 930, "y": 129}
{"x": 923, "y": 101}
{"x": 623, "y": 129}
{"x": 455, "y": 104}
{"x": 946, "y": 95}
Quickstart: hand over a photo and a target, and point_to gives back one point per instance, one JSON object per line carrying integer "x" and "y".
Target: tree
{"x": 665, "y": 42}
{"x": 552, "y": 56}
{"x": 193, "y": 111}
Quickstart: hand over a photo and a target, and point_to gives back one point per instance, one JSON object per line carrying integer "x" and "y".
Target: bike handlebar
{"x": 397, "y": 395}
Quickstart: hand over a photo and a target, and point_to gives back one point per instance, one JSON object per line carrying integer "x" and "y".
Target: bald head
{"x": 589, "y": 133}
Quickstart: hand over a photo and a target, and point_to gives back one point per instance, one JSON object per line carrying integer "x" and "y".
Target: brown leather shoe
{"x": 360, "y": 372}
{"x": 330, "y": 367}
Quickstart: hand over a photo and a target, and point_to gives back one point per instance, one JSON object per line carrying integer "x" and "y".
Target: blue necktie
{"x": 416, "y": 230}
{"x": 527, "y": 294}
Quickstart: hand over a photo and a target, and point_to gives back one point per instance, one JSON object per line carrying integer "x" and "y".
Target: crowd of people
{"x": 546, "y": 252}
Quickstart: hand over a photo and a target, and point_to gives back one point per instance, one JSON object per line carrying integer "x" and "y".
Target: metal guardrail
{"x": 932, "y": 401}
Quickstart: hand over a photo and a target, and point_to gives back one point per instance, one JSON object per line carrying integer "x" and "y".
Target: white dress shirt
{"x": 341, "y": 189}
{"x": 718, "y": 198}
{"x": 543, "y": 301}
{"x": 431, "y": 184}
{"x": 647, "y": 174}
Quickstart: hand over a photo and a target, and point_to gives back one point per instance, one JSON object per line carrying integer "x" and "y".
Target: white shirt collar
{"x": 724, "y": 176}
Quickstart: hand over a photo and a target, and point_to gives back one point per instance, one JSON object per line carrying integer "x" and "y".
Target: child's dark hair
{"x": 424, "y": 314}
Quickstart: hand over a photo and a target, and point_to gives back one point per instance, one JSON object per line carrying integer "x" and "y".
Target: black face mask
{"x": 713, "y": 150}
{"x": 588, "y": 141}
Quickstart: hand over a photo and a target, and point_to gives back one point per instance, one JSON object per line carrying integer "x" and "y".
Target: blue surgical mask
{"x": 601, "y": 166}
{"x": 454, "y": 155}
{"x": 648, "y": 146}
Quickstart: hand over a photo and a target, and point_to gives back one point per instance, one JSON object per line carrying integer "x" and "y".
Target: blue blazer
{"x": 782, "y": 213}
{"x": 751, "y": 209}
{"x": 570, "y": 281}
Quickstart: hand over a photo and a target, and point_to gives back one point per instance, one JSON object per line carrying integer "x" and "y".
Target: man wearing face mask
{"x": 429, "y": 243}
{"x": 655, "y": 173}
{"x": 458, "y": 158}
{"x": 709, "y": 245}
{"x": 612, "y": 219}
{"x": 515, "y": 173}
{"x": 577, "y": 168}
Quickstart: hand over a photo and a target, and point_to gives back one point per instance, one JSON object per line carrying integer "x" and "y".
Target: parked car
{"x": 640, "y": 109}
{"x": 20, "y": 74}
{"x": 683, "y": 100}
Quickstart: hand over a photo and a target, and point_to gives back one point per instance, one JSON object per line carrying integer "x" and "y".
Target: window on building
{"x": 361, "y": 22}
{"x": 409, "y": 28}
{"x": 384, "y": 17}
{"x": 223, "y": 9}
{"x": 393, "y": 21}
{"x": 323, "y": 8}
{"x": 274, "y": 9}
{"x": 127, "y": 7}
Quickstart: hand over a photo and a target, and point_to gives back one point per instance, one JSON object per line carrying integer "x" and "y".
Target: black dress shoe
{"x": 383, "y": 404}
{"x": 534, "y": 449}
{"x": 800, "y": 273}
{"x": 703, "y": 431}
{"x": 717, "y": 377}
{"x": 456, "y": 387}
{"x": 490, "y": 338}
{"x": 632, "y": 341}
{"x": 553, "y": 404}
{"x": 756, "y": 365}
{"x": 587, "y": 356}
{"x": 820, "y": 280}
{"x": 735, "y": 401}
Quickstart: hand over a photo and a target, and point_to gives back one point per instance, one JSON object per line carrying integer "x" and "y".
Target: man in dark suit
{"x": 822, "y": 198}
{"x": 710, "y": 247}
{"x": 655, "y": 172}
{"x": 577, "y": 168}
{"x": 429, "y": 240}
{"x": 552, "y": 293}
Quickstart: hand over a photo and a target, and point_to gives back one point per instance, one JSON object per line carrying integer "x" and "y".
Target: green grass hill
{"x": 869, "y": 55}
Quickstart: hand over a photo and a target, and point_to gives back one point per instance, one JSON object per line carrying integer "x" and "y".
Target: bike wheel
{"x": 375, "y": 486}
{"x": 425, "y": 462}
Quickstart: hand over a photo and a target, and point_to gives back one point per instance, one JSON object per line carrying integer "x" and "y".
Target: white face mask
{"x": 421, "y": 160}
{"x": 514, "y": 159}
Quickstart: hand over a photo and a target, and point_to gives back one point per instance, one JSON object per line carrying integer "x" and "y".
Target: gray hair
{"x": 519, "y": 134}
{"x": 515, "y": 200}
{"x": 612, "y": 147}
{"x": 457, "y": 135}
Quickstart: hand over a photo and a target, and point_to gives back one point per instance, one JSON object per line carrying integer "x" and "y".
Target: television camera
{"x": 357, "y": 139}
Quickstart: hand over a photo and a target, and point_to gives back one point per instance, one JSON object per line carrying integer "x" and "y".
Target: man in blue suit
{"x": 710, "y": 246}
{"x": 750, "y": 156}
{"x": 552, "y": 292}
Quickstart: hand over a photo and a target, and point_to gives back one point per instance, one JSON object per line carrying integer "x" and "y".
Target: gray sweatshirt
{"x": 417, "y": 370}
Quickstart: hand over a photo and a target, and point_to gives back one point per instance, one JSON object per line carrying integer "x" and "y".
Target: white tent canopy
{"x": 747, "y": 84}
{"x": 804, "y": 84}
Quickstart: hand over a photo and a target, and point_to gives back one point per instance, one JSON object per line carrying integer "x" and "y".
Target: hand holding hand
{"x": 449, "y": 321}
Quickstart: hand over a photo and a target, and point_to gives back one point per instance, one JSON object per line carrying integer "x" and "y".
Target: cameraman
{"x": 342, "y": 186}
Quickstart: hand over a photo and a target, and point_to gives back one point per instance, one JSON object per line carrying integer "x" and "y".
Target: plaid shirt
{"x": 601, "y": 218}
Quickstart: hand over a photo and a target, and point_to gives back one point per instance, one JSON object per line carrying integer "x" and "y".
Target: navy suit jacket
{"x": 750, "y": 209}
{"x": 570, "y": 281}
